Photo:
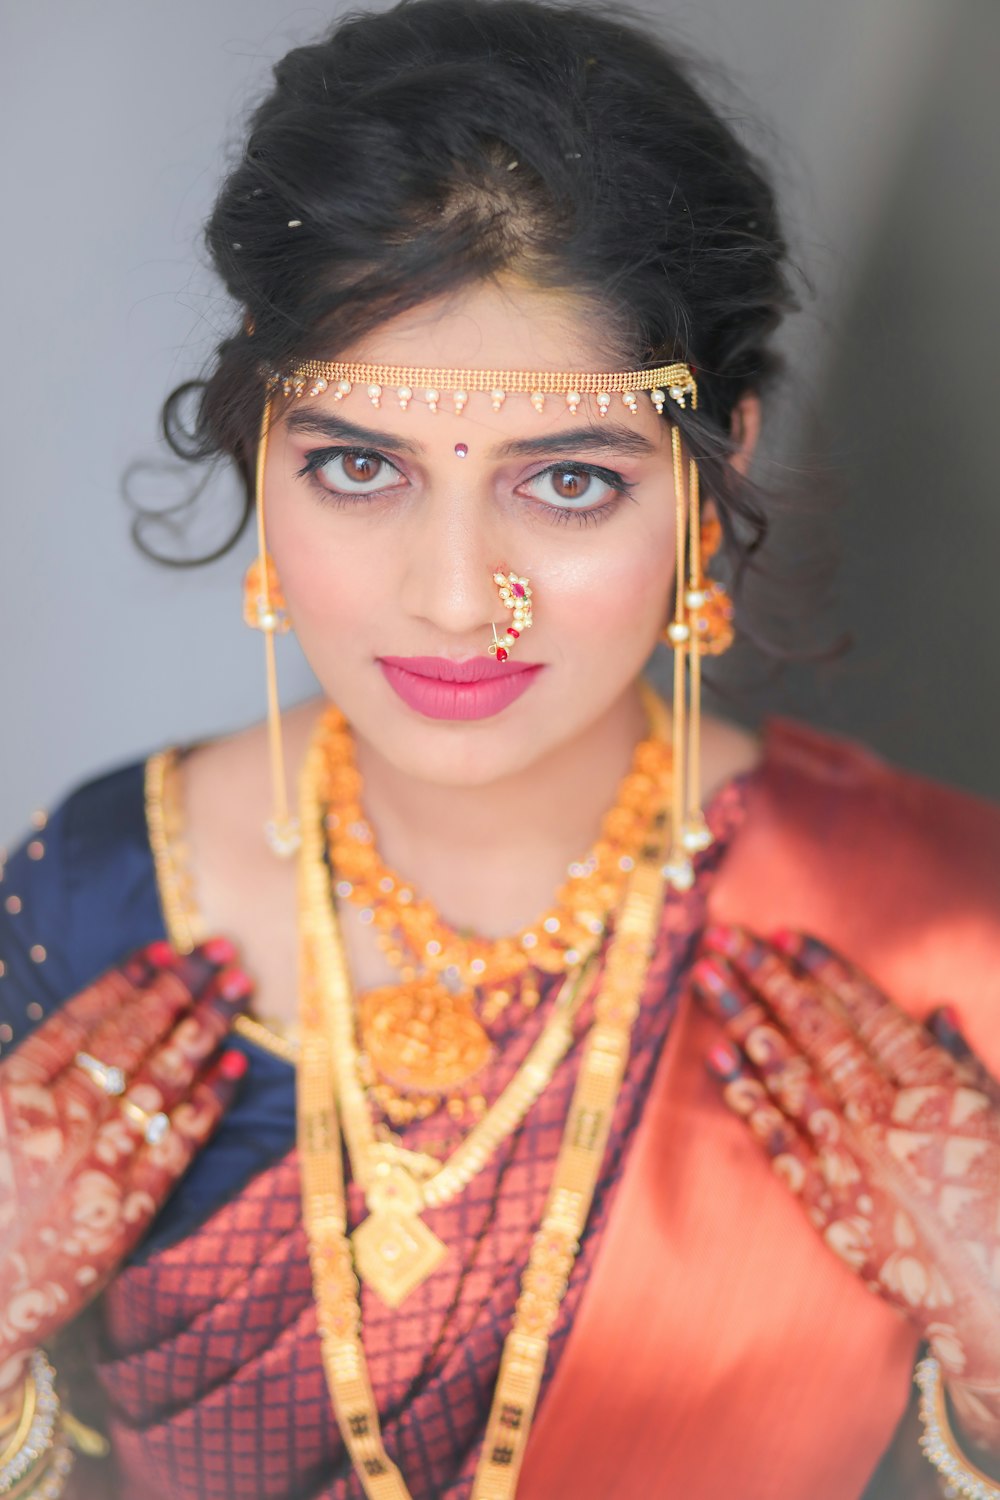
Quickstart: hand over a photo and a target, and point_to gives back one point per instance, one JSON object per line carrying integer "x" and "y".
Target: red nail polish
{"x": 219, "y": 950}
{"x": 723, "y": 1060}
{"x": 707, "y": 973}
{"x": 160, "y": 953}
{"x": 785, "y": 940}
{"x": 234, "y": 984}
{"x": 725, "y": 939}
{"x": 233, "y": 1065}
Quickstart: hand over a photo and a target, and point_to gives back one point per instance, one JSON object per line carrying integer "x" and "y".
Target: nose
{"x": 448, "y": 575}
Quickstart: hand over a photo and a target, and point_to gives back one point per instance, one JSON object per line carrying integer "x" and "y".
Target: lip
{"x": 439, "y": 688}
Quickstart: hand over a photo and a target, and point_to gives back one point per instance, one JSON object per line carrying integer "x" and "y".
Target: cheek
{"x": 331, "y": 576}
{"x": 619, "y": 594}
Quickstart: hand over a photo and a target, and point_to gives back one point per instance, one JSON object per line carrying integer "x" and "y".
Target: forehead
{"x": 506, "y": 324}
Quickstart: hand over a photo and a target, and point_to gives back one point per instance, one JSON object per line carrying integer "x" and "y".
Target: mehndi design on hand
{"x": 79, "y": 1180}
{"x": 891, "y": 1142}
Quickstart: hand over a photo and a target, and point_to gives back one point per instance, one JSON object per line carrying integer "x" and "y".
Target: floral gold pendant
{"x": 423, "y": 1037}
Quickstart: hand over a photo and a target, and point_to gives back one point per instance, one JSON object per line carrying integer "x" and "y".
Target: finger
{"x": 43, "y": 1054}
{"x": 72, "y": 1029}
{"x": 809, "y": 1015}
{"x": 777, "y": 1062}
{"x": 944, "y": 1025}
{"x": 791, "y": 1156}
{"x": 125, "y": 1037}
{"x": 828, "y": 1181}
{"x": 900, "y": 1044}
{"x": 171, "y": 1068}
{"x": 157, "y": 1167}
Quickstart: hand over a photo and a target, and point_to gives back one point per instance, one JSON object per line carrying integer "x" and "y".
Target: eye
{"x": 581, "y": 488}
{"x": 350, "y": 471}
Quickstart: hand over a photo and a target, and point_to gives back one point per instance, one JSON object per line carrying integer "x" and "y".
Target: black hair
{"x": 377, "y": 175}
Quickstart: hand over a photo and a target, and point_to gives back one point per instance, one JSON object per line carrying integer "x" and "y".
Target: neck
{"x": 529, "y": 825}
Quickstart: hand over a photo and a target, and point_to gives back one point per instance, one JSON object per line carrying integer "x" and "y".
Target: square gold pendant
{"x": 395, "y": 1253}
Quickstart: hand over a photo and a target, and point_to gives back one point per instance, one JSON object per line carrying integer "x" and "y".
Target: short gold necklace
{"x": 326, "y": 1008}
{"x": 425, "y": 1038}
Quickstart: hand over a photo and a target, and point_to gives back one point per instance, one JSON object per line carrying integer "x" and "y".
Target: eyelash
{"x": 561, "y": 515}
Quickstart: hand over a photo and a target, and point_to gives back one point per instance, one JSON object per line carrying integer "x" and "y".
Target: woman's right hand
{"x": 83, "y": 1171}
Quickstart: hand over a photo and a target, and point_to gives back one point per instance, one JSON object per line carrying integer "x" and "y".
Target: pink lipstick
{"x": 440, "y": 688}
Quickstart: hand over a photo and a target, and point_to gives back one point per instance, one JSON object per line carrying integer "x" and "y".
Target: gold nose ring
{"x": 515, "y": 595}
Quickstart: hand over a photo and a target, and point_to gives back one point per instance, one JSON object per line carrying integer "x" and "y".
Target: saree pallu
{"x": 207, "y": 1351}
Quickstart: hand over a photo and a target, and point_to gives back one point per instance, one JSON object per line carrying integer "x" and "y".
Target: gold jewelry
{"x": 423, "y": 1041}
{"x": 153, "y": 1126}
{"x": 109, "y": 1079}
{"x": 36, "y": 1462}
{"x": 700, "y": 626}
{"x": 264, "y": 610}
{"x": 515, "y": 595}
{"x": 393, "y": 1248}
{"x": 406, "y": 384}
{"x": 325, "y": 1001}
{"x": 958, "y": 1474}
{"x": 410, "y": 930}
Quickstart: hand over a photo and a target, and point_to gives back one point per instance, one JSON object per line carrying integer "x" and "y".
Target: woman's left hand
{"x": 890, "y": 1140}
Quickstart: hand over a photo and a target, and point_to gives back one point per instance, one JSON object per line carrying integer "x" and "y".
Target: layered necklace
{"x": 425, "y": 1040}
{"x": 393, "y": 1250}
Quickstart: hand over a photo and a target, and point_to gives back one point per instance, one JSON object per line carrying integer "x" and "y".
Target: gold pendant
{"x": 422, "y": 1037}
{"x": 394, "y": 1251}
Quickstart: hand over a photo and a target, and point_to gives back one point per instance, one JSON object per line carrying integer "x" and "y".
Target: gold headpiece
{"x": 314, "y": 377}
{"x": 674, "y": 383}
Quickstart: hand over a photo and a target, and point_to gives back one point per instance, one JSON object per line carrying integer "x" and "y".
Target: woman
{"x": 506, "y": 285}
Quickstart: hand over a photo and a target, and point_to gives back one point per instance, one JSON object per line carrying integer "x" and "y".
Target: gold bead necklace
{"x": 425, "y": 1040}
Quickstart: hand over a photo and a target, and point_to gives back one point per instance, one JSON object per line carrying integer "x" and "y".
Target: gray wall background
{"x": 118, "y": 116}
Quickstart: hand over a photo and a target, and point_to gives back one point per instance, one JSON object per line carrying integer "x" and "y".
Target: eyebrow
{"x": 609, "y": 436}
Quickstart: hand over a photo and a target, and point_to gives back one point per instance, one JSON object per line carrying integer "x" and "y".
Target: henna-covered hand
{"x": 81, "y": 1175}
{"x": 888, "y": 1136}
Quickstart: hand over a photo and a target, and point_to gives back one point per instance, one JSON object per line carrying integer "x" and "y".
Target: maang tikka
{"x": 701, "y": 620}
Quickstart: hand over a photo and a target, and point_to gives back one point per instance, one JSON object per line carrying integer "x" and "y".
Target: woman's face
{"x": 386, "y": 540}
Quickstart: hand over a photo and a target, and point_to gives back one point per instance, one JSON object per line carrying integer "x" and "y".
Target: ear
{"x": 745, "y": 428}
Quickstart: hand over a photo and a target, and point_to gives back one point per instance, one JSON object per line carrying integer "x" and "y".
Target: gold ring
{"x": 109, "y": 1079}
{"x": 153, "y": 1126}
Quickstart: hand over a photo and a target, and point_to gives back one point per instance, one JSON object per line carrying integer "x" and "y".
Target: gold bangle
{"x": 19, "y": 1435}
{"x": 960, "y": 1477}
{"x": 35, "y": 1432}
{"x": 48, "y": 1480}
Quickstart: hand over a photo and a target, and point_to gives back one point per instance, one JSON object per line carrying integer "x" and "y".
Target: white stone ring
{"x": 153, "y": 1127}
{"x": 109, "y": 1079}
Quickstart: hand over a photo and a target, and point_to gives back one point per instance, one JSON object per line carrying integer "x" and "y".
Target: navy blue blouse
{"x": 75, "y": 898}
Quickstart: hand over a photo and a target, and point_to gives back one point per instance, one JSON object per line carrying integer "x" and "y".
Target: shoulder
{"x": 898, "y": 871}
{"x": 76, "y": 894}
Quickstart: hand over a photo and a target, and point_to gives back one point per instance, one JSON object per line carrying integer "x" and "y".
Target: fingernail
{"x": 160, "y": 953}
{"x": 716, "y": 990}
{"x": 786, "y": 941}
{"x": 723, "y": 1061}
{"x": 949, "y": 1015}
{"x": 219, "y": 950}
{"x": 724, "y": 939}
{"x": 233, "y": 984}
{"x": 233, "y": 1065}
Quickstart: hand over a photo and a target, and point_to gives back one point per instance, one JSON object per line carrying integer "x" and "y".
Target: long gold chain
{"x": 325, "y": 1002}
